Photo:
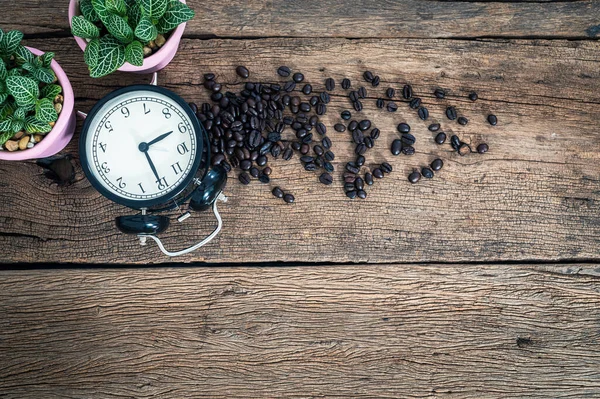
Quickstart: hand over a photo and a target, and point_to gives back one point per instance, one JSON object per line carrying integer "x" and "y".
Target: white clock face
{"x": 141, "y": 145}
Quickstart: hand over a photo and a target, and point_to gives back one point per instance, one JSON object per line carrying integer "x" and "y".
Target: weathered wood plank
{"x": 362, "y": 331}
{"x": 354, "y": 18}
{"x": 536, "y": 195}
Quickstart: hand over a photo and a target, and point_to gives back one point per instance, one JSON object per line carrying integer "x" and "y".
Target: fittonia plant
{"x": 119, "y": 31}
{"x": 27, "y": 89}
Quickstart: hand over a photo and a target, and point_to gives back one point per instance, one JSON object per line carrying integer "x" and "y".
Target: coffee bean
{"x": 415, "y": 103}
{"x": 326, "y": 178}
{"x": 439, "y": 93}
{"x": 328, "y": 166}
{"x": 434, "y": 127}
{"x": 284, "y": 71}
{"x": 390, "y": 92}
{"x": 348, "y": 186}
{"x": 346, "y": 115}
{"x": 338, "y": 127}
{"x": 254, "y": 172}
{"x": 314, "y": 100}
{"x": 287, "y": 154}
{"x": 305, "y": 107}
{"x": 307, "y": 158}
{"x": 307, "y": 89}
{"x": 369, "y": 179}
{"x": 329, "y": 84}
{"x": 304, "y": 148}
{"x": 492, "y": 119}
{"x": 364, "y": 124}
{"x": 403, "y": 127}
{"x": 360, "y": 160}
{"x": 296, "y": 145}
{"x": 437, "y": 164}
{"x": 386, "y": 167}
{"x": 380, "y": 102}
{"x": 353, "y": 96}
{"x": 360, "y": 149}
{"x": 362, "y": 92}
{"x": 330, "y": 156}
{"x": 482, "y": 148}
{"x": 289, "y": 87}
{"x": 408, "y": 150}
{"x": 440, "y": 138}
{"x": 278, "y": 192}
{"x": 242, "y": 71}
{"x": 408, "y": 139}
{"x": 321, "y": 128}
{"x": 217, "y": 159}
{"x": 407, "y": 92}
{"x": 375, "y": 134}
{"x": 378, "y": 173}
{"x": 359, "y": 183}
{"x": 414, "y": 177}
{"x": 298, "y": 77}
{"x": 473, "y": 96}
{"x": 351, "y": 194}
{"x": 375, "y": 81}
{"x": 318, "y": 150}
{"x": 267, "y": 171}
{"x": 464, "y": 149}
{"x": 352, "y": 168}
{"x": 462, "y": 120}
{"x": 313, "y": 121}
{"x": 346, "y": 84}
{"x": 246, "y": 164}
{"x": 353, "y": 125}
{"x": 392, "y": 107}
{"x": 325, "y": 97}
{"x": 368, "y": 76}
{"x": 362, "y": 194}
{"x": 244, "y": 178}
{"x": 311, "y": 166}
{"x": 427, "y": 173}
{"x": 289, "y": 198}
{"x": 423, "y": 113}
{"x": 357, "y": 106}
{"x": 358, "y": 136}
{"x": 451, "y": 113}
{"x": 326, "y": 142}
{"x": 209, "y": 76}
{"x": 396, "y": 147}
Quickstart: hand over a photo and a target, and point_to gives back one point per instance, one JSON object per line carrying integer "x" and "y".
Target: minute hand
{"x": 159, "y": 138}
{"x": 152, "y": 165}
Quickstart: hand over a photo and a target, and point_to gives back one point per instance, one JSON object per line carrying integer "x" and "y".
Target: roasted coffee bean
{"x": 305, "y": 107}
{"x": 278, "y": 192}
{"x": 462, "y": 120}
{"x": 289, "y": 86}
{"x": 439, "y": 93}
{"x": 242, "y": 71}
{"x": 289, "y": 198}
{"x": 408, "y": 139}
{"x": 318, "y": 150}
{"x": 244, "y": 178}
{"x": 208, "y": 84}
{"x": 414, "y": 177}
{"x": 310, "y": 167}
{"x": 473, "y": 96}
{"x": 326, "y": 142}
{"x": 369, "y": 179}
{"x": 357, "y": 105}
{"x": 364, "y": 124}
{"x": 375, "y": 134}
{"x": 455, "y": 142}
{"x": 246, "y": 164}
{"x": 396, "y": 147}
{"x": 368, "y": 76}
{"x": 226, "y": 166}
{"x": 304, "y": 148}
{"x": 360, "y": 149}
{"x": 358, "y": 136}
{"x": 482, "y": 148}
{"x": 326, "y": 178}
{"x": 378, "y": 173}
{"x": 385, "y": 167}
{"x": 307, "y": 158}
{"x": 321, "y": 128}
{"x": 375, "y": 81}
{"x": 403, "y": 127}
{"x": 434, "y": 127}
{"x": 325, "y": 97}
{"x": 362, "y": 194}
{"x": 390, "y": 92}
{"x": 437, "y": 164}
{"x": 359, "y": 183}
{"x": 314, "y": 100}
{"x": 427, "y": 173}
{"x": 329, "y": 84}
{"x": 298, "y": 77}
{"x": 464, "y": 149}
{"x": 209, "y": 76}
{"x": 330, "y": 156}
{"x": 254, "y": 155}
{"x": 346, "y": 84}
{"x": 380, "y": 103}
{"x": 307, "y": 89}
{"x": 274, "y": 136}
{"x": 353, "y": 96}
{"x": 353, "y": 125}
{"x": 287, "y": 154}
{"x": 423, "y": 113}
{"x": 492, "y": 119}
{"x": 408, "y": 150}
{"x": 415, "y": 103}
{"x": 407, "y": 92}
{"x": 312, "y": 121}
{"x": 261, "y": 160}
{"x": 451, "y": 113}
{"x": 392, "y": 107}
{"x": 346, "y": 115}
{"x": 362, "y": 92}
{"x": 267, "y": 171}
{"x": 217, "y": 159}
{"x": 350, "y": 167}
{"x": 296, "y": 145}
{"x": 440, "y": 138}
{"x": 328, "y": 166}
{"x": 321, "y": 109}
{"x": 351, "y": 194}
{"x": 284, "y": 71}
{"x": 339, "y": 127}
{"x": 348, "y": 186}
{"x": 369, "y": 142}
{"x": 216, "y": 87}
{"x": 288, "y": 120}
{"x": 254, "y": 172}
{"x": 360, "y": 160}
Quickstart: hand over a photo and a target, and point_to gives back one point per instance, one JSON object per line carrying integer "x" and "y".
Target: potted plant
{"x": 36, "y": 101}
{"x": 128, "y": 35}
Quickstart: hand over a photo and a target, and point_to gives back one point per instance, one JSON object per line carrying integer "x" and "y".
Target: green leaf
{"x": 100, "y": 8}
{"x": 29, "y": 67}
{"x": 153, "y": 9}
{"x": 34, "y": 125}
{"x": 134, "y": 12}
{"x": 87, "y": 10}
{"x": 111, "y": 56}
{"x": 3, "y": 97}
{"x": 46, "y": 59}
{"x": 134, "y": 53}
{"x": 3, "y": 71}
{"x": 84, "y": 28}
{"x": 7, "y": 109}
{"x": 44, "y": 111}
{"x": 23, "y": 54}
{"x": 10, "y": 41}
{"x": 16, "y": 125}
{"x": 24, "y": 90}
{"x": 20, "y": 113}
{"x": 6, "y": 133}
{"x": 15, "y": 72}
{"x": 145, "y": 30}
{"x": 116, "y": 7}
{"x": 45, "y": 75}
{"x": 90, "y": 55}
{"x": 119, "y": 28}
{"x": 177, "y": 13}
{"x": 50, "y": 91}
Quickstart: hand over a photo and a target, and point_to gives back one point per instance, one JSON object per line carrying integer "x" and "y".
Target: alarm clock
{"x": 143, "y": 147}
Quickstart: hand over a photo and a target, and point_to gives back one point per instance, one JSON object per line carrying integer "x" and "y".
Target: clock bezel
{"x": 139, "y": 204}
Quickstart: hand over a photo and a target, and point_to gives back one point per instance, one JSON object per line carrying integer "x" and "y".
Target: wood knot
{"x": 58, "y": 169}
{"x": 523, "y": 342}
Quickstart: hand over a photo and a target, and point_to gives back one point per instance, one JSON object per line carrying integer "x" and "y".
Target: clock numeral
{"x": 177, "y": 168}
{"x": 166, "y": 113}
{"x": 108, "y": 126}
{"x": 182, "y": 127}
{"x": 105, "y": 167}
{"x": 182, "y": 148}
{"x": 103, "y": 146}
{"x": 162, "y": 183}
{"x": 146, "y": 111}
{"x": 142, "y": 188}
{"x": 125, "y": 111}
{"x": 121, "y": 182}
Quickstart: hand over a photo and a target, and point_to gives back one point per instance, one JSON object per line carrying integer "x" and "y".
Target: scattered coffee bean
{"x": 364, "y": 124}
{"x": 304, "y": 148}
{"x": 289, "y": 86}
{"x": 307, "y": 159}
{"x": 339, "y": 127}
{"x": 403, "y": 127}
{"x": 246, "y": 164}
{"x": 287, "y": 154}
{"x": 254, "y": 172}
{"x": 346, "y": 83}
{"x": 392, "y": 107}
{"x": 408, "y": 139}
{"x": 278, "y": 192}
{"x": 378, "y": 173}
{"x": 348, "y": 186}
{"x": 307, "y": 89}
{"x": 362, "y": 92}
{"x": 326, "y": 178}
{"x": 351, "y": 194}
{"x": 359, "y": 183}
{"x": 390, "y": 92}
{"x": 423, "y": 113}
{"x": 462, "y": 120}
{"x": 492, "y": 119}
{"x": 244, "y": 178}
{"x": 298, "y": 77}
{"x": 289, "y": 198}
{"x": 350, "y": 167}
{"x": 375, "y": 134}
{"x": 427, "y": 173}
{"x": 329, "y": 84}
{"x": 473, "y": 96}
{"x": 360, "y": 149}
{"x": 437, "y": 164}
{"x": 415, "y": 103}
{"x": 369, "y": 142}
{"x": 326, "y": 142}
{"x": 318, "y": 150}
{"x": 375, "y": 81}
{"x": 353, "y": 125}
{"x": 439, "y": 93}
{"x": 407, "y": 92}
{"x": 386, "y": 167}
{"x": 368, "y": 76}
{"x": 328, "y": 166}
{"x": 369, "y": 179}
{"x": 330, "y": 156}
{"x": 209, "y": 76}
{"x": 396, "y": 147}
{"x": 284, "y": 72}
{"x": 264, "y": 179}
{"x": 464, "y": 149}
{"x": 408, "y": 150}
{"x": 434, "y": 127}
{"x": 451, "y": 113}
{"x": 362, "y": 194}
{"x": 357, "y": 106}
{"x": 309, "y": 167}
{"x": 346, "y": 115}
{"x": 321, "y": 128}
{"x": 360, "y": 160}
{"x": 482, "y": 148}
{"x": 305, "y": 107}
{"x": 242, "y": 72}
{"x": 455, "y": 142}
{"x": 267, "y": 171}
{"x": 414, "y": 177}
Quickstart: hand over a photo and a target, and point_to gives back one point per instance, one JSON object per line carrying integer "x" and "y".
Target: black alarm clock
{"x": 143, "y": 147}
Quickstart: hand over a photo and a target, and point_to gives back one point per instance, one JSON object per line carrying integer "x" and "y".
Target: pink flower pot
{"x": 153, "y": 63}
{"x": 55, "y": 140}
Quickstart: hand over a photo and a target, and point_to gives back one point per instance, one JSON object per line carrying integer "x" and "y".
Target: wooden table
{"x": 483, "y": 282}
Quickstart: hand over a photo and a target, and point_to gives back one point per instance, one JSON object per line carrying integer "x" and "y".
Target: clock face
{"x": 141, "y": 146}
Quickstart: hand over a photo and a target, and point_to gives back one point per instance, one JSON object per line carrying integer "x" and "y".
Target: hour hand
{"x": 159, "y": 138}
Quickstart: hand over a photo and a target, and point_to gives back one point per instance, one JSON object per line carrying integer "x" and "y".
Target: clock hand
{"x": 159, "y": 138}
{"x": 152, "y": 165}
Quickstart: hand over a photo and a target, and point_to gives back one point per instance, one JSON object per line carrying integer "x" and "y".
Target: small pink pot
{"x": 155, "y": 62}
{"x": 62, "y": 132}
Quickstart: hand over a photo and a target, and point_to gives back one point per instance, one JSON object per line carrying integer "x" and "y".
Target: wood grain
{"x": 364, "y": 331}
{"x": 353, "y": 19}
